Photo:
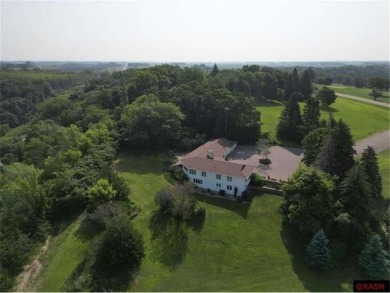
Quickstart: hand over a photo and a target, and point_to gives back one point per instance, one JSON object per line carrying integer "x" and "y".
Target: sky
{"x": 194, "y": 31}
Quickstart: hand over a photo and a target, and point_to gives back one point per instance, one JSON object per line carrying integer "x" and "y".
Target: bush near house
{"x": 256, "y": 180}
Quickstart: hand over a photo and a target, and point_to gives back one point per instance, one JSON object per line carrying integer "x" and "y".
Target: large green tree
{"x": 327, "y": 96}
{"x": 312, "y": 144}
{"x": 309, "y": 203}
{"x": 289, "y": 87}
{"x": 148, "y": 123}
{"x": 306, "y": 84}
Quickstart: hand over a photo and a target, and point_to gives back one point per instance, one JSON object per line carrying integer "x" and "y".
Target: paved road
{"x": 364, "y": 100}
{"x": 379, "y": 141}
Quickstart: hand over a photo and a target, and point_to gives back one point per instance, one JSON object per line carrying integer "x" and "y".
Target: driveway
{"x": 379, "y": 141}
{"x": 284, "y": 160}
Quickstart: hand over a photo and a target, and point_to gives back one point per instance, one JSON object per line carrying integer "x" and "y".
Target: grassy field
{"x": 239, "y": 247}
{"x": 384, "y": 165}
{"x": 363, "y": 119}
{"x": 359, "y": 92}
{"x": 65, "y": 252}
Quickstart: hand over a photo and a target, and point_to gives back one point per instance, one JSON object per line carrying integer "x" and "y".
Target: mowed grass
{"x": 239, "y": 247}
{"x": 65, "y": 252}
{"x": 363, "y": 119}
{"x": 358, "y": 92}
{"x": 384, "y": 165}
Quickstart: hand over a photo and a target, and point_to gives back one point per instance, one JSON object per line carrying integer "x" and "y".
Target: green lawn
{"x": 363, "y": 119}
{"x": 65, "y": 252}
{"x": 239, "y": 247}
{"x": 384, "y": 165}
{"x": 359, "y": 92}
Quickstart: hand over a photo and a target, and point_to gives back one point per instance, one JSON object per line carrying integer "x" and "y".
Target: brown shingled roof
{"x": 220, "y": 146}
{"x": 219, "y": 166}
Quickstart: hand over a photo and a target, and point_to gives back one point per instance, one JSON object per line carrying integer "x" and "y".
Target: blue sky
{"x": 214, "y": 31}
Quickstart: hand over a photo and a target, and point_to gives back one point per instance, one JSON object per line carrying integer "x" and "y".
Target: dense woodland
{"x": 57, "y": 149}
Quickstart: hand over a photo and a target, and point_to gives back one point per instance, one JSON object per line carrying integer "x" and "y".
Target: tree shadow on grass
{"x": 240, "y": 208}
{"x": 139, "y": 162}
{"x": 169, "y": 239}
{"x": 87, "y": 230}
{"x": 269, "y": 103}
{"x": 315, "y": 280}
{"x": 328, "y": 109}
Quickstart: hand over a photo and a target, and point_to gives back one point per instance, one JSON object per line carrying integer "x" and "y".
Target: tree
{"x": 101, "y": 192}
{"x": 327, "y": 96}
{"x": 374, "y": 260}
{"x": 369, "y": 162}
{"x": 309, "y": 203}
{"x": 263, "y": 146}
{"x": 289, "y": 87}
{"x": 312, "y": 144}
{"x": 215, "y": 70}
{"x": 311, "y": 115}
{"x": 376, "y": 93}
{"x": 269, "y": 86}
{"x": 336, "y": 154}
{"x": 317, "y": 252}
{"x": 120, "y": 248}
{"x": 148, "y": 123}
{"x": 306, "y": 84}
{"x": 178, "y": 201}
{"x": 355, "y": 195}
{"x": 290, "y": 121}
{"x": 297, "y": 84}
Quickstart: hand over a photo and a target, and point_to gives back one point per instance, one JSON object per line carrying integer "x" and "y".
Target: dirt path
{"x": 31, "y": 271}
{"x": 364, "y": 100}
{"x": 379, "y": 141}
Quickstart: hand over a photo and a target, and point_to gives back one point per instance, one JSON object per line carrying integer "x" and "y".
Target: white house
{"x": 208, "y": 168}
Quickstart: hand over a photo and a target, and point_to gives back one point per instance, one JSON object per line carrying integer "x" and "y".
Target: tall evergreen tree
{"x": 312, "y": 144}
{"x": 344, "y": 147}
{"x": 355, "y": 195}
{"x": 369, "y": 161}
{"x": 290, "y": 121}
{"x": 297, "y": 85}
{"x": 270, "y": 89}
{"x": 311, "y": 115}
{"x": 318, "y": 254}
{"x": 289, "y": 87}
{"x": 306, "y": 85}
{"x": 326, "y": 158}
{"x": 374, "y": 259}
{"x": 215, "y": 70}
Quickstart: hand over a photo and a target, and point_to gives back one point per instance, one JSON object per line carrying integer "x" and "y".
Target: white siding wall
{"x": 210, "y": 182}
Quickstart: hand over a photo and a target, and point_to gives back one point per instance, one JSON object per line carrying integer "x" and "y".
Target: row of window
{"x": 218, "y": 176}
{"x": 228, "y": 187}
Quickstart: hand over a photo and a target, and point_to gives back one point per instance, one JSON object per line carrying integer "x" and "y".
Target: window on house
{"x": 185, "y": 168}
{"x": 203, "y": 174}
{"x": 193, "y": 172}
{"x": 219, "y": 176}
{"x": 229, "y": 187}
{"x": 229, "y": 178}
{"x": 197, "y": 181}
{"x": 218, "y": 185}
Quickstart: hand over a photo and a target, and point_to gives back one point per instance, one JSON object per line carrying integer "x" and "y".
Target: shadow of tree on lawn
{"x": 170, "y": 238}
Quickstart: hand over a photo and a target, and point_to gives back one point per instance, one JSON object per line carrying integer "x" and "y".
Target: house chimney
{"x": 210, "y": 154}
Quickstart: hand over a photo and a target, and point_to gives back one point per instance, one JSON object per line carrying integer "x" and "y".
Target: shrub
{"x": 177, "y": 200}
{"x": 221, "y": 192}
{"x": 256, "y": 180}
{"x": 265, "y": 161}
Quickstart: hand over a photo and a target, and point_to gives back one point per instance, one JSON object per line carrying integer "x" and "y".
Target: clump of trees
{"x": 374, "y": 260}
{"x": 330, "y": 206}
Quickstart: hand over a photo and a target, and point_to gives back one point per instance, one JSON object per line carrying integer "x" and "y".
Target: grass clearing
{"x": 358, "y": 92}
{"x": 65, "y": 252}
{"x": 363, "y": 119}
{"x": 384, "y": 165}
{"x": 239, "y": 247}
